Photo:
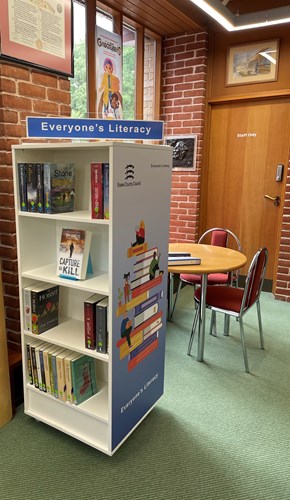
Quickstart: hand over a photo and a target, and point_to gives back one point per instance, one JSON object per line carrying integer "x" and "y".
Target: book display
{"x": 93, "y": 285}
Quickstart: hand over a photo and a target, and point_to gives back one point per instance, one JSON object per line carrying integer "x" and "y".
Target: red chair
{"x": 219, "y": 237}
{"x": 236, "y": 302}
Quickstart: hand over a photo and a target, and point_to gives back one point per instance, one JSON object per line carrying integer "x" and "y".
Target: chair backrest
{"x": 255, "y": 279}
{"x": 220, "y": 237}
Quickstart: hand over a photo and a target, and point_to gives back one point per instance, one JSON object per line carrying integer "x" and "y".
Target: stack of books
{"x": 182, "y": 259}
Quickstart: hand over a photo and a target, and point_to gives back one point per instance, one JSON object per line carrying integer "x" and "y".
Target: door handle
{"x": 275, "y": 199}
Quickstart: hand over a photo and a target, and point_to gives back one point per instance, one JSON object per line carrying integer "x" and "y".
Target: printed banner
{"x": 89, "y": 128}
{"x": 109, "y": 75}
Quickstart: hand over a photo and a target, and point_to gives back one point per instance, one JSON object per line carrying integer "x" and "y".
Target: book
{"x": 73, "y": 255}
{"x": 59, "y": 187}
{"x": 27, "y": 305}
{"x": 61, "y": 384}
{"x": 83, "y": 379}
{"x": 179, "y": 254}
{"x": 183, "y": 261}
{"x": 34, "y": 364}
{"x": 31, "y": 186}
{"x": 44, "y": 308}
{"x": 39, "y": 187}
{"x": 47, "y": 353}
{"x": 106, "y": 179}
{"x": 97, "y": 211}
{"x": 22, "y": 185}
{"x": 102, "y": 325}
{"x": 53, "y": 375}
{"x": 90, "y": 320}
{"x": 68, "y": 375}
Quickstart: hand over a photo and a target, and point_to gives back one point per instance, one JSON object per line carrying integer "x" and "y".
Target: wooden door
{"x": 247, "y": 141}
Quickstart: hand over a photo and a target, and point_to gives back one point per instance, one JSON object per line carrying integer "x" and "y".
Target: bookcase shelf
{"x": 129, "y": 377}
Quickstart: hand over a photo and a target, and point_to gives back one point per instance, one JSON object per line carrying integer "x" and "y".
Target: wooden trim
{"x": 250, "y": 97}
{"x": 91, "y": 62}
{"x": 157, "y": 83}
{"x": 139, "y": 96}
{"x": 118, "y": 24}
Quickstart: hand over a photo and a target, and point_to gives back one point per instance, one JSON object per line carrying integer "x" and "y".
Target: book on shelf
{"x": 90, "y": 320}
{"x": 47, "y": 354}
{"x": 97, "y": 210}
{"x": 73, "y": 260}
{"x": 106, "y": 180}
{"x": 44, "y": 308}
{"x": 39, "y": 187}
{"x": 68, "y": 374}
{"x": 36, "y": 374}
{"x": 61, "y": 384}
{"x": 22, "y": 186}
{"x": 102, "y": 311}
{"x": 54, "y": 376}
{"x": 31, "y": 364}
{"x": 183, "y": 261}
{"x": 84, "y": 384}
{"x": 31, "y": 186}
{"x": 59, "y": 187}
{"x": 27, "y": 323}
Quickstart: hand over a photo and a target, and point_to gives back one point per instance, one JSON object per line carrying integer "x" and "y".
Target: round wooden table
{"x": 214, "y": 259}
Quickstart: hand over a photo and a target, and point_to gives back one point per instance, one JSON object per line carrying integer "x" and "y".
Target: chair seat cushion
{"x": 213, "y": 279}
{"x": 222, "y": 297}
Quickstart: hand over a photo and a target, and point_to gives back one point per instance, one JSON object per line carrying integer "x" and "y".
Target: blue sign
{"x": 88, "y": 128}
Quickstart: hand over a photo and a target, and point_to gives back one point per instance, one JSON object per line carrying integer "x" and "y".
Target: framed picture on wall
{"x": 38, "y": 34}
{"x": 252, "y": 63}
{"x": 184, "y": 151}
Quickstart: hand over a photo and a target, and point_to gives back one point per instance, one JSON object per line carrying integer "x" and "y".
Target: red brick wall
{"x": 183, "y": 106}
{"x": 282, "y": 291}
{"x": 23, "y": 92}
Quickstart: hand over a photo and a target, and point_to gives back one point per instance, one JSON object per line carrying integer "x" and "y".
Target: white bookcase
{"x": 129, "y": 379}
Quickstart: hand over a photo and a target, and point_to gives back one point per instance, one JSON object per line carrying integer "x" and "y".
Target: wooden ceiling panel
{"x": 158, "y": 16}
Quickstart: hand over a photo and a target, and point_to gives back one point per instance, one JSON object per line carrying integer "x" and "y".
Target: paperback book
{"x": 97, "y": 211}
{"x": 22, "y": 185}
{"x": 44, "y": 308}
{"x": 83, "y": 379}
{"x": 90, "y": 320}
{"x": 59, "y": 187}
{"x": 73, "y": 260}
{"x": 102, "y": 325}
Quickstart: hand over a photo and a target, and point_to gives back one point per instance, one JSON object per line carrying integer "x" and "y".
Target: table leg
{"x": 201, "y": 323}
{"x": 170, "y": 295}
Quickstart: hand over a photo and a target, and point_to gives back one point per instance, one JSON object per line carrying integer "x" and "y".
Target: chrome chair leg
{"x": 227, "y": 325}
{"x": 260, "y": 324}
{"x": 244, "y": 345}
{"x": 212, "y": 328}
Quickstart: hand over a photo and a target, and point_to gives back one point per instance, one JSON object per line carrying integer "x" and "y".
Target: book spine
{"x": 38, "y": 367}
{"x": 68, "y": 380}
{"x": 101, "y": 328}
{"x": 46, "y": 371}
{"x": 90, "y": 325}
{"x": 54, "y": 389}
{"x": 40, "y": 188}
{"x": 61, "y": 378}
{"x": 96, "y": 191}
{"x": 34, "y": 368}
{"x": 22, "y": 182}
{"x": 29, "y": 364}
{"x": 34, "y": 316}
{"x": 27, "y": 309}
{"x": 51, "y": 380}
{"x": 46, "y": 189}
{"x": 106, "y": 190}
{"x": 41, "y": 361}
{"x": 31, "y": 188}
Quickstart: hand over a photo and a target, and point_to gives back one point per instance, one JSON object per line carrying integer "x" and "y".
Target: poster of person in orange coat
{"x": 109, "y": 75}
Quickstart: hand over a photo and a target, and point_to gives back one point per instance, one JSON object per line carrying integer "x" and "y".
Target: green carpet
{"x": 217, "y": 433}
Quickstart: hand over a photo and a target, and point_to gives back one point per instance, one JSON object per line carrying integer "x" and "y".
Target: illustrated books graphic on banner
{"x": 74, "y": 254}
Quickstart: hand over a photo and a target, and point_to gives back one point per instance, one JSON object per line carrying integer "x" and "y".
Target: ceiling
{"x": 169, "y": 17}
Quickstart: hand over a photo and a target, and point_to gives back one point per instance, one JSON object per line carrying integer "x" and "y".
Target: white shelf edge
{"x": 77, "y": 216}
{"x": 72, "y": 329}
{"x": 93, "y": 402}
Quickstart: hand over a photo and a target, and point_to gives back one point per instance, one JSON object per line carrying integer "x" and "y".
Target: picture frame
{"x": 252, "y": 63}
{"x": 184, "y": 151}
{"x": 41, "y": 37}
